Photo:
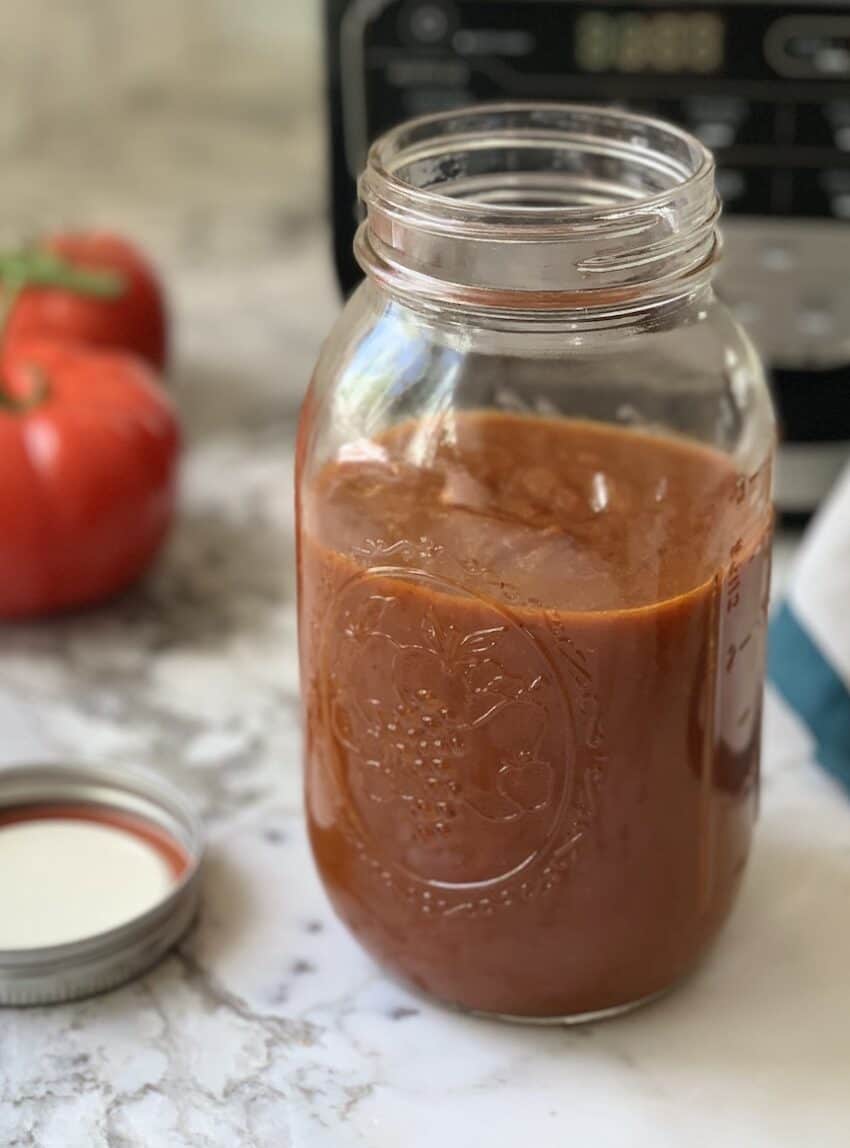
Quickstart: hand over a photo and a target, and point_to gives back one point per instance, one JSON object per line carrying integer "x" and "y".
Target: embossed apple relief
{"x": 449, "y": 731}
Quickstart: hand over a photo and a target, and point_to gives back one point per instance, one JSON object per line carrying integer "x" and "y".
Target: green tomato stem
{"x": 40, "y": 267}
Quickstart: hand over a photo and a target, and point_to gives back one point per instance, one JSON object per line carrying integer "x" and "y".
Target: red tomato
{"x": 132, "y": 320}
{"x": 88, "y": 461}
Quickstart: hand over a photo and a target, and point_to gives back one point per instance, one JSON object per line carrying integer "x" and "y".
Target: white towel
{"x": 809, "y": 641}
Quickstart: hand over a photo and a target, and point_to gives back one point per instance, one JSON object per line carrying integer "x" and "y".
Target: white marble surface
{"x": 269, "y": 1028}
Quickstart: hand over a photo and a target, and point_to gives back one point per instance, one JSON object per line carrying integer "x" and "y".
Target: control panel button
{"x": 815, "y": 321}
{"x": 777, "y": 258}
{"x": 727, "y": 121}
{"x": 821, "y": 193}
{"x": 745, "y": 191}
{"x": 825, "y": 125}
{"x": 811, "y": 47}
{"x": 427, "y": 22}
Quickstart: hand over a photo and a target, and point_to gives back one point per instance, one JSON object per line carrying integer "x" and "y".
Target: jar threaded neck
{"x": 538, "y": 207}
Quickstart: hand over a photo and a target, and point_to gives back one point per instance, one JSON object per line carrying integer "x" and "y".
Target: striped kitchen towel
{"x": 809, "y": 640}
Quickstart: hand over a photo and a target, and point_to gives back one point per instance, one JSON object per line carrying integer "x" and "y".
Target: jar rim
{"x": 389, "y": 149}
{"x": 538, "y": 206}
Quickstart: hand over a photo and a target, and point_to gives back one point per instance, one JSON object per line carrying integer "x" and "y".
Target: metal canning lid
{"x": 95, "y": 839}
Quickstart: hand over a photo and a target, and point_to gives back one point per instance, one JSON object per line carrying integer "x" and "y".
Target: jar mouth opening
{"x": 538, "y": 206}
{"x": 534, "y": 164}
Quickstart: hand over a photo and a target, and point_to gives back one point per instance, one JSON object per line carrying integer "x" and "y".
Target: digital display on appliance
{"x": 632, "y": 42}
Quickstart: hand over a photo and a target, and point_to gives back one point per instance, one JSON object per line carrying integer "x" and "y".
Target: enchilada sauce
{"x": 532, "y": 659}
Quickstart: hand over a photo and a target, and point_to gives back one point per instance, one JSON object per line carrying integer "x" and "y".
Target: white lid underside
{"x": 63, "y": 880}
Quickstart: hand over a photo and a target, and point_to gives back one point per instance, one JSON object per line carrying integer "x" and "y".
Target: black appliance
{"x": 766, "y": 86}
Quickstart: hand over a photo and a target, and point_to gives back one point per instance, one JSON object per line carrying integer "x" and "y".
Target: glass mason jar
{"x": 534, "y": 477}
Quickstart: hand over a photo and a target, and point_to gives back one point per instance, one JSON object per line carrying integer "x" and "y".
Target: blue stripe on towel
{"x": 813, "y": 689}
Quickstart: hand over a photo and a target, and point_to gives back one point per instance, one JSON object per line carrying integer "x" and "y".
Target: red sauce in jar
{"x": 532, "y": 659}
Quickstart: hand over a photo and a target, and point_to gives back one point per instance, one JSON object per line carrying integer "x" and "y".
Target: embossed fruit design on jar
{"x": 533, "y": 493}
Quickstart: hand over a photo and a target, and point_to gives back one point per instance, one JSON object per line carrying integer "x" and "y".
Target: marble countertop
{"x": 269, "y": 1027}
